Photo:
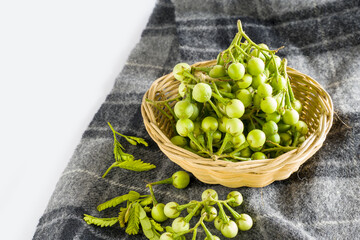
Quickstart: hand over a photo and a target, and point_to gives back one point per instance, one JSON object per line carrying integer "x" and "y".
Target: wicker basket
{"x": 317, "y": 113}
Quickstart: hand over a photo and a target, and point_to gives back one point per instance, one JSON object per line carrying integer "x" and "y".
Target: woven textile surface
{"x": 319, "y": 201}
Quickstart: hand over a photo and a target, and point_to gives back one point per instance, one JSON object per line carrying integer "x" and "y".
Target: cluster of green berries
{"x": 242, "y": 108}
{"x": 229, "y": 226}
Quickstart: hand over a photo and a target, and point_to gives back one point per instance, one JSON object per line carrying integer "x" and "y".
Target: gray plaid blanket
{"x": 320, "y": 201}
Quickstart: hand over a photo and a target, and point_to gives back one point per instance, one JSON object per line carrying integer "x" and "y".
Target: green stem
{"x": 231, "y": 55}
{"x": 241, "y": 50}
{"x": 235, "y": 214}
{"x": 163, "y": 101}
{"x": 250, "y": 41}
{"x": 261, "y": 122}
{"x": 287, "y": 100}
{"x": 194, "y": 229}
{"x": 296, "y": 139}
{"x": 194, "y": 234}
{"x": 207, "y": 232}
{"x": 286, "y": 149}
{"x": 228, "y": 95}
{"x": 242, "y": 146}
{"x": 192, "y": 213}
{"x": 291, "y": 93}
{"x": 189, "y": 75}
{"x": 276, "y": 68}
{"x": 224, "y": 143}
{"x": 222, "y": 213}
{"x": 218, "y": 113}
{"x": 171, "y": 111}
{"x": 165, "y": 181}
{"x": 197, "y": 143}
{"x": 218, "y": 97}
{"x": 152, "y": 194}
{"x": 160, "y": 109}
{"x": 108, "y": 170}
{"x": 184, "y": 206}
{"x": 203, "y": 69}
{"x": 209, "y": 136}
{"x": 216, "y": 90}
{"x": 282, "y": 103}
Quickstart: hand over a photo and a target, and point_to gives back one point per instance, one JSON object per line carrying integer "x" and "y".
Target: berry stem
{"x": 197, "y": 143}
{"x": 184, "y": 206}
{"x": 152, "y": 194}
{"x": 261, "y": 122}
{"x": 296, "y": 139}
{"x": 223, "y": 145}
{"x": 207, "y": 232}
{"x": 209, "y": 136}
{"x": 218, "y": 113}
{"x": 286, "y": 149}
{"x": 108, "y": 170}
{"x": 165, "y": 181}
{"x": 235, "y": 214}
{"x": 189, "y": 75}
{"x": 222, "y": 213}
{"x": 192, "y": 213}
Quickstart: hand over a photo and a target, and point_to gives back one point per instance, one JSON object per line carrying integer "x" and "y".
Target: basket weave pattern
{"x": 317, "y": 112}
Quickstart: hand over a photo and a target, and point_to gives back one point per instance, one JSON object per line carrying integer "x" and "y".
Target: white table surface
{"x": 58, "y": 61}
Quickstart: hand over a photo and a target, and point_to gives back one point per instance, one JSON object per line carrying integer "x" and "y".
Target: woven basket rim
{"x": 298, "y": 156}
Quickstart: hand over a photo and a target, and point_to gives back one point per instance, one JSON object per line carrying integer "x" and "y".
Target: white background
{"x": 58, "y": 61}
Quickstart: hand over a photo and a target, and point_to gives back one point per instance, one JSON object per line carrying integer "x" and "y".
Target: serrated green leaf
{"x": 156, "y": 225}
{"x": 133, "y": 223}
{"x": 146, "y": 201}
{"x": 136, "y": 165}
{"x": 116, "y": 201}
{"x": 102, "y": 222}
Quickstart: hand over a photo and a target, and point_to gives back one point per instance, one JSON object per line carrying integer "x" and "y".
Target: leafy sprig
{"x": 130, "y": 217}
{"x": 125, "y": 160}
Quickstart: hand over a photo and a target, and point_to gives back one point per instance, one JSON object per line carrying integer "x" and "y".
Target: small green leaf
{"x": 116, "y": 201}
{"x": 138, "y": 140}
{"x": 102, "y": 222}
{"x": 132, "y": 142}
{"x": 142, "y": 213}
{"x": 145, "y": 223}
{"x": 136, "y": 165}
